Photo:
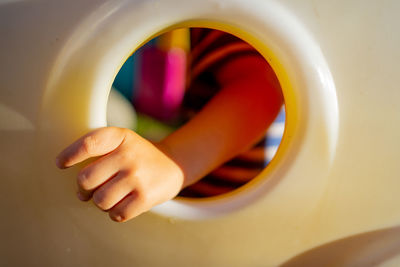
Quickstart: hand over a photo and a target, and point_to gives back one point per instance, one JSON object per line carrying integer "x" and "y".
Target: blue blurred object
{"x": 124, "y": 80}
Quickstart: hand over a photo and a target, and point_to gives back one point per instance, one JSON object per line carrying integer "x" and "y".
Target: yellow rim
{"x": 288, "y": 93}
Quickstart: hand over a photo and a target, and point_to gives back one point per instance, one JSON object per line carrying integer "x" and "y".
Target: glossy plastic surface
{"x": 329, "y": 197}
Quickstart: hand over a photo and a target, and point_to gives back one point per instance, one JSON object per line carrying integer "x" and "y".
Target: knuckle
{"x": 143, "y": 198}
{"x": 125, "y": 156}
{"x": 82, "y": 180}
{"x": 89, "y": 143}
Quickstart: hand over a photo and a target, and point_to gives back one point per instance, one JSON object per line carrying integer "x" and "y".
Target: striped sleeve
{"x": 211, "y": 50}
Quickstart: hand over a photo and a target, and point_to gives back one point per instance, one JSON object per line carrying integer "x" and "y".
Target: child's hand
{"x": 131, "y": 176}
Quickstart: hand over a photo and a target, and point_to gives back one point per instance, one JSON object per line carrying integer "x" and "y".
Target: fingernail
{"x": 116, "y": 218}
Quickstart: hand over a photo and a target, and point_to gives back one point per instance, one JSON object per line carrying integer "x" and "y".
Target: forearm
{"x": 131, "y": 175}
{"x": 231, "y": 122}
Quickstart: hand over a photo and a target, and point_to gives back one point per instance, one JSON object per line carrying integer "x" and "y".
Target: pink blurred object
{"x": 159, "y": 84}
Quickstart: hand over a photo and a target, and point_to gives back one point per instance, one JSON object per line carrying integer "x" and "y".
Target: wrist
{"x": 169, "y": 152}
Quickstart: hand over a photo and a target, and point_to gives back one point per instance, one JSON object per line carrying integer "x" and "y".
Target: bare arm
{"x": 132, "y": 175}
{"x": 231, "y": 122}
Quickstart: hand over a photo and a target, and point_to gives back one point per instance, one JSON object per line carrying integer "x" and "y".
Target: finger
{"x": 96, "y": 143}
{"x": 98, "y": 172}
{"x": 84, "y": 195}
{"x": 112, "y": 192}
{"x": 130, "y": 207}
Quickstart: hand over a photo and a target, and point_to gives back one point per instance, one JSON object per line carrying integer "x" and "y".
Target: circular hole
{"x": 171, "y": 78}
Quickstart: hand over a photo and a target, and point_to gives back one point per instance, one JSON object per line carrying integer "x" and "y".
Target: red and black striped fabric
{"x": 210, "y": 50}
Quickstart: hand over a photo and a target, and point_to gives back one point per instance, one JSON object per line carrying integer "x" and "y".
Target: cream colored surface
{"x": 120, "y": 111}
{"x": 329, "y": 198}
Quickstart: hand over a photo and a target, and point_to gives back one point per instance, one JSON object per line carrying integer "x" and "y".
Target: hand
{"x": 131, "y": 175}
